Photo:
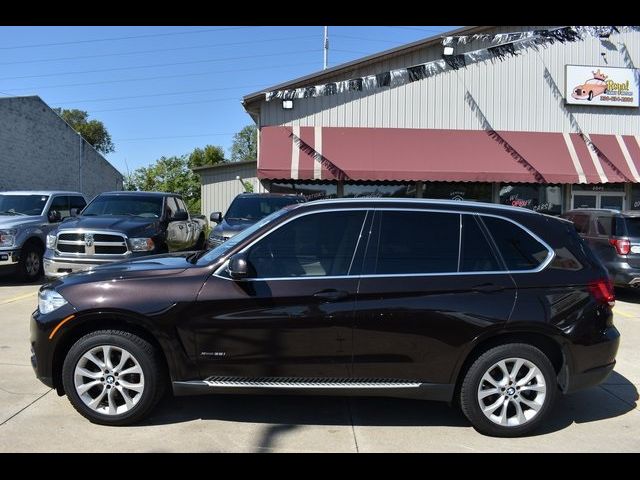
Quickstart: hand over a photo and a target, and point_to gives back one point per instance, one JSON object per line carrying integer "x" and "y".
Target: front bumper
{"x": 57, "y": 266}
{"x": 9, "y": 258}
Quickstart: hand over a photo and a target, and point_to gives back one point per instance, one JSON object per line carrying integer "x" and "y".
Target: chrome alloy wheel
{"x": 512, "y": 392}
{"x": 109, "y": 380}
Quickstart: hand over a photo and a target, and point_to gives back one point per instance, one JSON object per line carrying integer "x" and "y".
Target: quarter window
{"x": 414, "y": 242}
{"x": 519, "y": 249}
{"x": 477, "y": 254}
{"x": 315, "y": 245}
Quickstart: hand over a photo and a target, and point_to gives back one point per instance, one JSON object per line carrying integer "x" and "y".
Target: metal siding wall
{"x": 512, "y": 94}
{"x": 219, "y": 186}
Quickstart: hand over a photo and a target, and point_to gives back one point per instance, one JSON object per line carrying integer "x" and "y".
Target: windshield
{"x": 220, "y": 250}
{"x": 22, "y": 204}
{"x": 255, "y": 208}
{"x": 133, "y": 205}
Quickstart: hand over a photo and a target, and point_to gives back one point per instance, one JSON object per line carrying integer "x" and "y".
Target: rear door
{"x": 431, "y": 282}
{"x": 176, "y": 229}
{"x": 598, "y": 239}
{"x": 189, "y": 240}
{"x": 631, "y": 228}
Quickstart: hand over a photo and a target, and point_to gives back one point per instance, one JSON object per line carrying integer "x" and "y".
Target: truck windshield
{"x": 255, "y": 208}
{"x": 22, "y": 204}
{"x": 132, "y": 205}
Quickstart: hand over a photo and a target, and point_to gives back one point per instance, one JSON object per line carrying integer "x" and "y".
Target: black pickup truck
{"x": 118, "y": 226}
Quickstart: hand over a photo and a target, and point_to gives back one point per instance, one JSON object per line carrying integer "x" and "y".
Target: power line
{"x": 158, "y": 77}
{"x": 415, "y": 28}
{"x": 138, "y": 67}
{"x": 129, "y": 37}
{"x": 142, "y": 107}
{"x": 173, "y": 136}
{"x": 193, "y": 47}
{"x": 367, "y": 39}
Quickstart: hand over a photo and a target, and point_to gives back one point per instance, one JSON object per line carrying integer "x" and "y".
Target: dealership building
{"x": 533, "y": 116}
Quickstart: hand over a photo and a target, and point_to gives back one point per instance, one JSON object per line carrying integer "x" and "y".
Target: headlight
{"x": 50, "y": 300}
{"x": 51, "y": 241}
{"x": 141, "y": 244}
{"x": 8, "y": 237}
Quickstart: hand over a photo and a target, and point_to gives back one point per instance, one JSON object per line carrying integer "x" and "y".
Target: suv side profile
{"x": 614, "y": 237}
{"x": 497, "y": 309}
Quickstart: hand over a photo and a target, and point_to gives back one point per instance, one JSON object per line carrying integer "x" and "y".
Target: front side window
{"x": 315, "y": 245}
{"x": 22, "y": 204}
{"x": 414, "y": 242}
{"x": 77, "y": 202}
{"x": 518, "y": 248}
{"x": 60, "y": 205}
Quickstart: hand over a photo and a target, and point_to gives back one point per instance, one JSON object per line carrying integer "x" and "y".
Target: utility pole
{"x": 326, "y": 47}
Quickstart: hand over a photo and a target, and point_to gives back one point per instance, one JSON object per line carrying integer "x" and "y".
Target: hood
{"x": 17, "y": 221}
{"x": 131, "y": 226}
{"x": 141, "y": 267}
{"x": 228, "y": 228}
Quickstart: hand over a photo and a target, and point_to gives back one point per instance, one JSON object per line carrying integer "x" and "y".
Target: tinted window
{"x": 477, "y": 255}
{"x": 414, "y": 242}
{"x": 255, "y": 208}
{"x": 633, "y": 226}
{"x": 136, "y": 205}
{"x": 77, "y": 202}
{"x": 181, "y": 205}
{"x": 519, "y": 250}
{"x": 581, "y": 221}
{"x": 22, "y": 204}
{"x": 320, "y": 244}
{"x": 60, "y": 204}
{"x": 604, "y": 225}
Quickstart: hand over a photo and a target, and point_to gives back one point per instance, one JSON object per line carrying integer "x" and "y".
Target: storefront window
{"x": 480, "y": 192}
{"x": 379, "y": 190}
{"x": 311, "y": 190}
{"x": 635, "y": 197}
{"x": 541, "y": 198}
{"x": 599, "y": 187}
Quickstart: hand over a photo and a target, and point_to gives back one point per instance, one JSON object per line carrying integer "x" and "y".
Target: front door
{"x": 294, "y": 316}
{"x": 420, "y": 300}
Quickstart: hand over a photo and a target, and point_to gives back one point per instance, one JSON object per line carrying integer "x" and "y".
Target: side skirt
{"x": 316, "y": 386}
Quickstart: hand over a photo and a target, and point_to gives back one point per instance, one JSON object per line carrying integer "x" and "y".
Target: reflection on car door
{"x": 176, "y": 229}
{"x": 294, "y": 317}
{"x": 417, "y": 306}
{"x": 188, "y": 226}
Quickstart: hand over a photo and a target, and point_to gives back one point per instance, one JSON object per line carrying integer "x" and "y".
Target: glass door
{"x": 612, "y": 200}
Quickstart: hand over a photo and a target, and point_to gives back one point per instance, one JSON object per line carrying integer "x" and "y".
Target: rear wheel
{"x": 113, "y": 377}
{"x": 30, "y": 264}
{"x": 509, "y": 390}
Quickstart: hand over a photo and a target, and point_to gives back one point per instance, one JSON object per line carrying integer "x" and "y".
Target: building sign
{"x": 602, "y": 86}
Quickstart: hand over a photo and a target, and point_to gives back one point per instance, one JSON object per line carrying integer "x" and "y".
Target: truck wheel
{"x": 30, "y": 265}
{"x": 113, "y": 377}
{"x": 509, "y": 390}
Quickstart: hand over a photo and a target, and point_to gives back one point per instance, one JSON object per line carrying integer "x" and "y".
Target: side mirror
{"x": 179, "y": 216}
{"x": 74, "y": 212}
{"x": 216, "y": 217}
{"x": 238, "y": 266}
{"x": 54, "y": 216}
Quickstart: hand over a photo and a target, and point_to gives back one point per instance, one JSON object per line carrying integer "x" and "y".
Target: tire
{"x": 541, "y": 390}
{"x": 112, "y": 408}
{"x": 30, "y": 266}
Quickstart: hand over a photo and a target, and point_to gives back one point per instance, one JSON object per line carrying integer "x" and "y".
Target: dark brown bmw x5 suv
{"x": 496, "y": 309}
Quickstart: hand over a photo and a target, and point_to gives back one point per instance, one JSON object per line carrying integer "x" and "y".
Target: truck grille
{"x": 92, "y": 243}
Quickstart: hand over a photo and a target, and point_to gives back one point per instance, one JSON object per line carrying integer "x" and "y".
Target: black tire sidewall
{"x": 28, "y": 248}
{"x": 144, "y": 354}
{"x": 468, "y": 393}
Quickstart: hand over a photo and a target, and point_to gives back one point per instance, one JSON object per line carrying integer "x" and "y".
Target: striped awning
{"x": 404, "y": 154}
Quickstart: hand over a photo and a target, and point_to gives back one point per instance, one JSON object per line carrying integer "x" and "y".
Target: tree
{"x": 209, "y": 155}
{"x": 168, "y": 174}
{"x": 244, "y": 145}
{"x": 93, "y": 131}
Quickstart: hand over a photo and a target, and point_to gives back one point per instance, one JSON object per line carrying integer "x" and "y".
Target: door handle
{"x": 331, "y": 295}
{"x": 181, "y": 227}
{"x": 487, "y": 288}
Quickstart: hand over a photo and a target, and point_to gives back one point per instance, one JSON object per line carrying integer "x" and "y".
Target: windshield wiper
{"x": 9, "y": 212}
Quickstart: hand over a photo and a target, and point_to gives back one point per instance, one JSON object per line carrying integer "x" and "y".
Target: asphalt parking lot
{"x": 34, "y": 419}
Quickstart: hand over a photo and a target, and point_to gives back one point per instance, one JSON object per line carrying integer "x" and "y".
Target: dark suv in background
{"x": 614, "y": 236}
{"x": 497, "y": 309}
{"x": 245, "y": 210}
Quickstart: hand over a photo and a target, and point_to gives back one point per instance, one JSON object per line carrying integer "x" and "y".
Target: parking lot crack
{"x": 353, "y": 429}
{"x": 25, "y": 407}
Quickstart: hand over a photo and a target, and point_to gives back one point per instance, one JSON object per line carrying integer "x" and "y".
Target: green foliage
{"x": 93, "y": 131}
{"x": 248, "y": 186}
{"x": 244, "y": 145}
{"x": 209, "y": 155}
{"x": 168, "y": 174}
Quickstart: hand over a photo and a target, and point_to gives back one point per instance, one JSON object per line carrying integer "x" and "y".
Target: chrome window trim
{"x": 539, "y": 268}
{"x": 70, "y": 255}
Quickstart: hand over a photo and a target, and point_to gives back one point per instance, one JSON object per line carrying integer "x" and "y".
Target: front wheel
{"x": 509, "y": 390}
{"x": 30, "y": 264}
{"x": 113, "y": 377}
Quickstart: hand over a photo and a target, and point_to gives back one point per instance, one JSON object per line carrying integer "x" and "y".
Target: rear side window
{"x": 414, "y": 242}
{"x": 604, "y": 225}
{"x": 519, "y": 249}
{"x": 581, "y": 222}
{"x": 477, "y": 255}
{"x": 633, "y": 227}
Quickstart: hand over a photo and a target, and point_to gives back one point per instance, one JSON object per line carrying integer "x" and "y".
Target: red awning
{"x": 403, "y": 154}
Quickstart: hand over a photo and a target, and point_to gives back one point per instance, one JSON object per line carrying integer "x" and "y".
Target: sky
{"x": 167, "y": 90}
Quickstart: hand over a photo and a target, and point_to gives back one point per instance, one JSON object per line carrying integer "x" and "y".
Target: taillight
{"x": 622, "y": 245}
{"x": 602, "y": 291}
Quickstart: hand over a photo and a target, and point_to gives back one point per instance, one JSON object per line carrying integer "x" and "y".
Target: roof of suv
{"x": 40, "y": 192}
{"x": 624, "y": 213}
{"x": 155, "y": 194}
{"x": 269, "y": 194}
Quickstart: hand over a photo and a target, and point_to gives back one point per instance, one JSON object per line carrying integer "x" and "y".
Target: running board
{"x": 321, "y": 386}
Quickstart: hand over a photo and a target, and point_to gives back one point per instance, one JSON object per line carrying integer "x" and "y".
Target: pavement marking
{"x": 624, "y": 314}
{"x": 19, "y": 297}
